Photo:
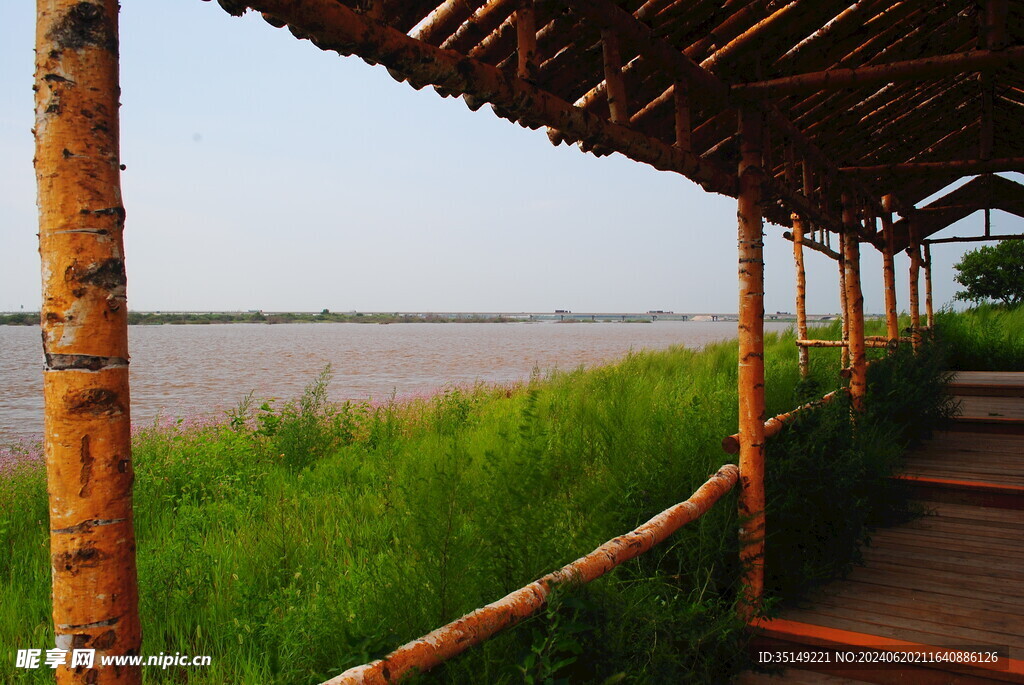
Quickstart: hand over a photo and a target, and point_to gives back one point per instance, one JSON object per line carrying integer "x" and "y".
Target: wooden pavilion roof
{"x": 982, "y": 192}
{"x": 875, "y": 97}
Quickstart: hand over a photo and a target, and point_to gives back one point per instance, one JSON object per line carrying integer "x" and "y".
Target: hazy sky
{"x": 263, "y": 173}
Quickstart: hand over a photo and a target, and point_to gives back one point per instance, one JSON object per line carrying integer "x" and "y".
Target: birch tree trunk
{"x": 751, "y": 364}
{"x": 85, "y": 336}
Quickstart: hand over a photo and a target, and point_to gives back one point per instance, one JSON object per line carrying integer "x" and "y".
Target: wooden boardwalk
{"x": 953, "y": 578}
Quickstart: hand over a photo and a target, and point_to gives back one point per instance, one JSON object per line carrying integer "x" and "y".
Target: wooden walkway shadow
{"x": 951, "y": 579}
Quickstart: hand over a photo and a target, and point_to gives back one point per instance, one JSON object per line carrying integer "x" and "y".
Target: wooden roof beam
{"x": 477, "y": 27}
{"x": 863, "y": 77}
{"x": 983, "y": 192}
{"x": 972, "y": 239}
{"x": 814, "y": 245}
{"x": 333, "y": 26}
{"x": 843, "y": 23}
{"x": 755, "y": 35}
{"x": 440, "y": 24}
{"x": 961, "y": 167}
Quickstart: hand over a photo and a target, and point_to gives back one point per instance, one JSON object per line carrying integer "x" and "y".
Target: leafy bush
{"x": 823, "y": 463}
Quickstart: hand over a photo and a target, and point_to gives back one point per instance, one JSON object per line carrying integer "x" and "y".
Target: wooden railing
{"x": 731, "y": 443}
{"x": 477, "y": 626}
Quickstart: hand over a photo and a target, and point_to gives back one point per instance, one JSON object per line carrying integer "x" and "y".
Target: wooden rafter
{"x": 958, "y": 167}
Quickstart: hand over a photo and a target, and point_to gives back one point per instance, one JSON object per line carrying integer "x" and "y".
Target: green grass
{"x": 295, "y": 541}
{"x": 984, "y": 338}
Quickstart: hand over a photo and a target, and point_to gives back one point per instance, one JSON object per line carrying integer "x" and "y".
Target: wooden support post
{"x": 751, "y": 364}
{"x": 915, "y": 276}
{"x": 892, "y": 326}
{"x": 929, "y": 313}
{"x": 801, "y": 294}
{"x": 616, "y": 86}
{"x": 854, "y": 306}
{"x": 526, "y": 36}
{"x": 844, "y": 302}
{"x": 84, "y": 320}
{"x": 799, "y": 226}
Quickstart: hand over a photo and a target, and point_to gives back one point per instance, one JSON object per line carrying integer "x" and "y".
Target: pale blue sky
{"x": 264, "y": 173}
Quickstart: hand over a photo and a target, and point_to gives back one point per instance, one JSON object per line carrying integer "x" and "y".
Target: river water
{"x": 203, "y": 370}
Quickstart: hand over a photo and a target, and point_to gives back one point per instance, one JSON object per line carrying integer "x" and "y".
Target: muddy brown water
{"x": 204, "y": 370}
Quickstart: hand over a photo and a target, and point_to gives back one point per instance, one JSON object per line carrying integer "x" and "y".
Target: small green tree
{"x": 993, "y": 273}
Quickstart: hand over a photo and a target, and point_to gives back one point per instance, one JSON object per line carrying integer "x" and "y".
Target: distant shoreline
{"x": 326, "y": 316}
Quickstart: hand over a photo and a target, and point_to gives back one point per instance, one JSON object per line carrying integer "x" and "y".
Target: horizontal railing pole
{"x": 885, "y": 338}
{"x": 821, "y": 343}
{"x": 477, "y": 626}
{"x": 772, "y": 426}
{"x": 840, "y": 343}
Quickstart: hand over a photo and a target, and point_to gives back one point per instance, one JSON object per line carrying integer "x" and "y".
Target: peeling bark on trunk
{"x": 892, "y": 326}
{"x": 801, "y": 292}
{"x": 855, "y": 310}
{"x": 929, "y": 312}
{"x": 751, "y": 364}
{"x": 844, "y": 355}
{"x": 85, "y": 336}
{"x": 915, "y": 296}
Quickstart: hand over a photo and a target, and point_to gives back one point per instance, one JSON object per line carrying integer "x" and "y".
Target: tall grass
{"x": 984, "y": 338}
{"x": 293, "y": 542}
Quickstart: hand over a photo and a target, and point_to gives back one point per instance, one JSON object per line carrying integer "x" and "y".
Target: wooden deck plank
{"x": 924, "y": 632}
{"x": 966, "y": 443}
{"x": 984, "y": 407}
{"x": 943, "y": 612}
{"x": 900, "y": 580}
{"x": 983, "y": 441}
{"x": 988, "y": 471}
{"x": 989, "y": 378}
{"x": 954, "y": 559}
{"x": 949, "y": 451}
{"x": 995, "y": 582}
{"x": 963, "y": 510}
{"x": 966, "y": 474}
{"x": 965, "y": 605}
{"x": 950, "y": 456}
{"x": 954, "y": 553}
{"x": 957, "y": 526}
{"x": 926, "y": 540}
